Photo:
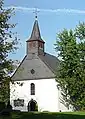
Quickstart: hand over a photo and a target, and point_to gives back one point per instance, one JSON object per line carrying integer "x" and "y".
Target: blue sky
{"x": 67, "y": 15}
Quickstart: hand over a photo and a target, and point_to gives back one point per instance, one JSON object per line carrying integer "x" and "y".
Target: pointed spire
{"x": 38, "y": 46}
{"x": 35, "y": 32}
{"x": 35, "y": 35}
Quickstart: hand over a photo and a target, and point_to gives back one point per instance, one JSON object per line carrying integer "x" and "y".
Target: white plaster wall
{"x": 62, "y": 106}
{"x": 46, "y": 95}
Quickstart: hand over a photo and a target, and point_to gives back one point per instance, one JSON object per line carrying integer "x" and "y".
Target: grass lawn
{"x": 47, "y": 115}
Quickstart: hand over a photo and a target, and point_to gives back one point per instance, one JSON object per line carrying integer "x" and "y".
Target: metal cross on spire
{"x": 36, "y": 11}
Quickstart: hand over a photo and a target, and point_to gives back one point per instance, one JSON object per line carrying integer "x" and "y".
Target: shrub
{"x": 36, "y": 107}
{"x": 2, "y": 106}
{"x": 9, "y": 107}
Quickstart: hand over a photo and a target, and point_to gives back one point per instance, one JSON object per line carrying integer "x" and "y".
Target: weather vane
{"x": 36, "y": 11}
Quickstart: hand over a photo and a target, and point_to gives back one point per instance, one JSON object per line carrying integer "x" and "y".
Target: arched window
{"x": 32, "y": 87}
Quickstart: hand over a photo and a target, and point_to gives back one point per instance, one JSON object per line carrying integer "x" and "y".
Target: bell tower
{"x": 35, "y": 44}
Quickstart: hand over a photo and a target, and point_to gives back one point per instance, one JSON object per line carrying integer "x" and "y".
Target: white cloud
{"x": 26, "y": 9}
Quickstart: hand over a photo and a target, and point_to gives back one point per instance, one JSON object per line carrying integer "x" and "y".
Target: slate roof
{"x": 44, "y": 66}
{"x": 35, "y": 35}
{"x": 51, "y": 61}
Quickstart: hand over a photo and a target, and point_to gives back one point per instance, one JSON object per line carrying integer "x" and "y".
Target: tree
{"x": 70, "y": 45}
{"x": 8, "y": 42}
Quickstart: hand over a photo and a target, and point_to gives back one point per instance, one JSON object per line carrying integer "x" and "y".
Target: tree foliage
{"x": 8, "y": 42}
{"x": 70, "y": 45}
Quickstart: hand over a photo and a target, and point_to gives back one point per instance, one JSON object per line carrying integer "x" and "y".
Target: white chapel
{"x": 35, "y": 87}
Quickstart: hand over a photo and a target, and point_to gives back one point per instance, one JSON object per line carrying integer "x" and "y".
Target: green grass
{"x": 47, "y": 115}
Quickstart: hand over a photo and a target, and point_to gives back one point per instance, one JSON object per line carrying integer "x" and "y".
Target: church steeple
{"x": 35, "y": 44}
{"x": 35, "y": 35}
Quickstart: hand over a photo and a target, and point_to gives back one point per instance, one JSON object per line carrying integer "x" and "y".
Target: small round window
{"x": 32, "y": 71}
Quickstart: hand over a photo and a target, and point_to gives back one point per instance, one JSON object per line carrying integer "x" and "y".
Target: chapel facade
{"x": 35, "y": 87}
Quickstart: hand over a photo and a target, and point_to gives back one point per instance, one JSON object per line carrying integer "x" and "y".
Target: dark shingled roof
{"x": 51, "y": 61}
{"x": 45, "y": 66}
{"x": 35, "y": 32}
